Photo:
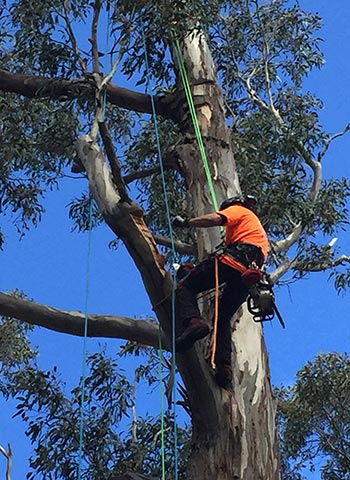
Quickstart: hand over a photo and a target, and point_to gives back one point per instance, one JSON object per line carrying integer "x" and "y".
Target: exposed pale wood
{"x": 8, "y": 455}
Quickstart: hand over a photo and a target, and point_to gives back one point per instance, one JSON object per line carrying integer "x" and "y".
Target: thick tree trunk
{"x": 234, "y": 435}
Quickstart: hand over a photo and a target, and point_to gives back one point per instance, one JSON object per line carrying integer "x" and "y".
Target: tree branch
{"x": 168, "y": 163}
{"x": 8, "y": 455}
{"x": 32, "y": 86}
{"x": 113, "y": 161}
{"x": 286, "y": 243}
{"x": 72, "y": 38}
{"x": 180, "y": 247}
{"x": 324, "y": 265}
{"x": 316, "y": 167}
{"x": 331, "y": 139}
{"x": 95, "y": 55}
{"x": 126, "y": 221}
{"x": 281, "y": 270}
{"x": 72, "y": 322}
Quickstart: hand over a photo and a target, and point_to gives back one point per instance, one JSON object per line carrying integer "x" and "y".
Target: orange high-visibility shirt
{"x": 242, "y": 225}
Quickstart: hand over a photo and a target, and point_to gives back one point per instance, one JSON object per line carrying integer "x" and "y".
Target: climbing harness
{"x": 247, "y": 254}
{"x": 261, "y": 300}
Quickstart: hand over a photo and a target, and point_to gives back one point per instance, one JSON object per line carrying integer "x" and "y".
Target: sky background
{"x": 50, "y": 263}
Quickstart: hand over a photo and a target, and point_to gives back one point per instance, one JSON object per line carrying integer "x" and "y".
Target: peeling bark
{"x": 234, "y": 434}
{"x": 207, "y": 97}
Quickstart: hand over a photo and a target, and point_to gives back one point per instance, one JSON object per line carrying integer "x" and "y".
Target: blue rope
{"x": 171, "y": 234}
{"x": 84, "y": 361}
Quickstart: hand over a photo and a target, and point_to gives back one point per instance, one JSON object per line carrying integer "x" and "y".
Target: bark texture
{"x": 72, "y": 322}
{"x": 234, "y": 434}
{"x": 32, "y": 86}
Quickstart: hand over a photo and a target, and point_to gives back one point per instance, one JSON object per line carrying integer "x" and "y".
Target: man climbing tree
{"x": 238, "y": 264}
{"x": 61, "y": 108}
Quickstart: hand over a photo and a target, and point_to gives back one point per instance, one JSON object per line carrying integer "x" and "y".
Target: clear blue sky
{"x": 50, "y": 263}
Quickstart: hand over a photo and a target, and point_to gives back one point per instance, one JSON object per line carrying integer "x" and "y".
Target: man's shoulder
{"x": 236, "y": 211}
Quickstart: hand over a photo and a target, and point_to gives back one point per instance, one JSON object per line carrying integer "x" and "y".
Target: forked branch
{"x": 8, "y": 455}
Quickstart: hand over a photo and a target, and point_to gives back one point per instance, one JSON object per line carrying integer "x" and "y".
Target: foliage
{"x": 15, "y": 349}
{"x": 115, "y": 439}
{"x": 269, "y": 51}
{"x": 264, "y": 49}
{"x": 314, "y": 419}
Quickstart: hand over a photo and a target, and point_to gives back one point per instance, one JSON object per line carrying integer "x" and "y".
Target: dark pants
{"x": 234, "y": 293}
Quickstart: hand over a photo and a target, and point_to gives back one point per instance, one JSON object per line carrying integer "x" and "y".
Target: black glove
{"x": 180, "y": 222}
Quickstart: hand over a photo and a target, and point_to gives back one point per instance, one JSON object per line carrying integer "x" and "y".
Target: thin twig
{"x": 330, "y": 140}
{"x": 73, "y": 39}
{"x": 95, "y": 55}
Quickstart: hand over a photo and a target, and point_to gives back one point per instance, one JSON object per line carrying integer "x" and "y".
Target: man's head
{"x": 248, "y": 201}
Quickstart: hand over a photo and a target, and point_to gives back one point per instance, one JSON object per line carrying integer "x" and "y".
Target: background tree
{"x": 53, "y": 419}
{"x": 314, "y": 419}
{"x": 55, "y": 89}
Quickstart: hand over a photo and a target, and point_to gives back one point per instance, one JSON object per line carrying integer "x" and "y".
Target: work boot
{"x": 223, "y": 375}
{"x": 196, "y": 329}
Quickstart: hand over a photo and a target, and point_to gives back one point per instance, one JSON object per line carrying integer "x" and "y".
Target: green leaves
{"x": 37, "y": 144}
{"x": 115, "y": 438}
{"x": 314, "y": 418}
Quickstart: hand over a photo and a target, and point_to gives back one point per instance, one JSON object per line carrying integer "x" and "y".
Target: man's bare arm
{"x": 209, "y": 220}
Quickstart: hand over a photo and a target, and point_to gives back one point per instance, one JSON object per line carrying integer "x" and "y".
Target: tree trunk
{"x": 234, "y": 434}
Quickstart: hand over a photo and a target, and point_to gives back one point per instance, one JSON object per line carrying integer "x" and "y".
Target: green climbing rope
{"x": 189, "y": 97}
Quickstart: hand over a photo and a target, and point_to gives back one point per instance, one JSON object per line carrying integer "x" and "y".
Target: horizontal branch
{"x": 147, "y": 172}
{"x": 180, "y": 247}
{"x": 32, "y": 86}
{"x": 72, "y": 322}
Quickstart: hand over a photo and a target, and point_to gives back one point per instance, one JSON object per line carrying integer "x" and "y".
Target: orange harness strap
{"x": 216, "y": 315}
